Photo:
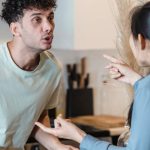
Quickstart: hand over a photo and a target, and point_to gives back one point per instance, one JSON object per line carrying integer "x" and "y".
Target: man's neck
{"x": 22, "y": 57}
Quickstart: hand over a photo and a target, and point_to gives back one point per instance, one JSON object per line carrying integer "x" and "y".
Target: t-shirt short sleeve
{"x": 55, "y": 97}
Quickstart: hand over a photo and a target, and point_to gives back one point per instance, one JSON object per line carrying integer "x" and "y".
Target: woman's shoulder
{"x": 143, "y": 83}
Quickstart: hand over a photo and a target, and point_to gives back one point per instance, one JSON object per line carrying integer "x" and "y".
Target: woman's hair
{"x": 140, "y": 21}
{"x": 13, "y": 10}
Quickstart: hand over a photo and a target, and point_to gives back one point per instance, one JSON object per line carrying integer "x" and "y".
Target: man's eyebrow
{"x": 36, "y": 14}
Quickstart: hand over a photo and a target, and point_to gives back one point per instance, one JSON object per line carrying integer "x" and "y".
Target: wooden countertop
{"x": 115, "y": 125}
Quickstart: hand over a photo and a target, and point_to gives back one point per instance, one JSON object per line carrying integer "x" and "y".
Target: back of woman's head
{"x": 140, "y": 21}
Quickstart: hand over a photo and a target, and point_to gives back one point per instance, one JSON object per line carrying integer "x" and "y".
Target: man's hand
{"x": 49, "y": 141}
{"x": 64, "y": 129}
{"x": 121, "y": 71}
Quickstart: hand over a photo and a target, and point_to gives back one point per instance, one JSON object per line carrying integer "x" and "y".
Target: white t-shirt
{"x": 24, "y": 95}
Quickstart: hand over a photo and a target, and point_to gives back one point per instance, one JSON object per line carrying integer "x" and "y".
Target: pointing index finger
{"x": 112, "y": 59}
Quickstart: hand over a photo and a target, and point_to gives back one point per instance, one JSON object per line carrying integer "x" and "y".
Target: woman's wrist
{"x": 80, "y": 136}
{"x": 136, "y": 78}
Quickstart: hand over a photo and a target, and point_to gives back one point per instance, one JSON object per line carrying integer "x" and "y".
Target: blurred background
{"x": 84, "y": 31}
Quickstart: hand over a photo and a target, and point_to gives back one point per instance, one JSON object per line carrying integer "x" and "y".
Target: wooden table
{"x": 115, "y": 125}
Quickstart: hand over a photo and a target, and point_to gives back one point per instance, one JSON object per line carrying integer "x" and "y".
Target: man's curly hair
{"x": 13, "y": 10}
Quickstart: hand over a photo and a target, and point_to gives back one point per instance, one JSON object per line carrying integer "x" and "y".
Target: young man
{"x": 30, "y": 76}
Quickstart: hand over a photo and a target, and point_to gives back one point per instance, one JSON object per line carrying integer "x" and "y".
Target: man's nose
{"x": 48, "y": 26}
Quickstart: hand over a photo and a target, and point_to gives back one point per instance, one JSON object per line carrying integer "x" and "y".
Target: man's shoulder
{"x": 51, "y": 57}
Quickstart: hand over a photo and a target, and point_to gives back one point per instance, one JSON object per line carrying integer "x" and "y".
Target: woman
{"x": 140, "y": 124}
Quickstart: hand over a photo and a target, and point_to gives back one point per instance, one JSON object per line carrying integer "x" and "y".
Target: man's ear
{"x": 142, "y": 41}
{"x": 14, "y": 28}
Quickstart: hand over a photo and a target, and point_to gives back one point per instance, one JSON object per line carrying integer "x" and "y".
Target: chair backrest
{"x": 79, "y": 102}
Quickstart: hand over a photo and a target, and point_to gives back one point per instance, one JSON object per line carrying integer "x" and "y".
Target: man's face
{"x": 36, "y": 29}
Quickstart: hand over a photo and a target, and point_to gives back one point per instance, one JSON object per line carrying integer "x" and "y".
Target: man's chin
{"x": 47, "y": 47}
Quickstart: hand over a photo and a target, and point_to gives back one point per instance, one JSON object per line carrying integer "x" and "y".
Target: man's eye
{"x": 51, "y": 18}
{"x": 37, "y": 19}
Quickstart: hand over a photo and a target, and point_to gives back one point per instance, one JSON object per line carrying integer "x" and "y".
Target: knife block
{"x": 79, "y": 102}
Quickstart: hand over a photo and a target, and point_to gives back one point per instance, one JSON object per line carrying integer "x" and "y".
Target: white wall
{"x": 64, "y": 25}
{"x": 84, "y": 24}
{"x": 94, "y": 25}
